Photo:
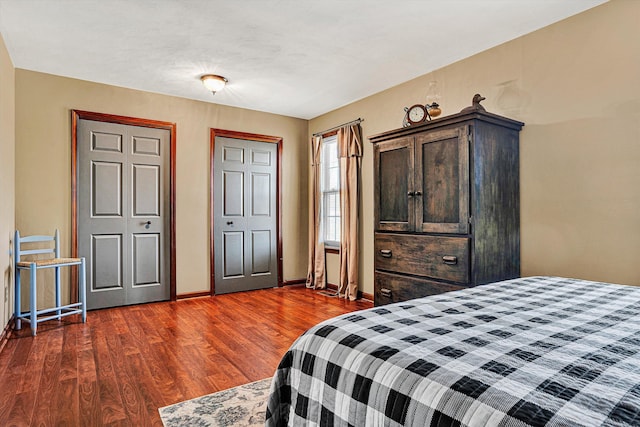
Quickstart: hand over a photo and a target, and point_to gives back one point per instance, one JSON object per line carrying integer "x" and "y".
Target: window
{"x": 330, "y": 191}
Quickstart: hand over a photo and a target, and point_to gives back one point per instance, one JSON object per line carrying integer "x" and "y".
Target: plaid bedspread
{"x": 539, "y": 351}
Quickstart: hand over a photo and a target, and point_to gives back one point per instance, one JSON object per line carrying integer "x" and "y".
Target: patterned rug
{"x": 244, "y": 405}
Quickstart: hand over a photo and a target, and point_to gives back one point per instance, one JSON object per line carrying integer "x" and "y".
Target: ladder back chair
{"x": 35, "y": 316}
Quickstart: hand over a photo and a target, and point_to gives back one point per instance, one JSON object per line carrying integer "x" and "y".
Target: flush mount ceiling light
{"x": 213, "y": 82}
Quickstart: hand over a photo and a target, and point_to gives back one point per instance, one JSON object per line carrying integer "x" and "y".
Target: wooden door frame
{"x": 250, "y": 137}
{"x": 76, "y": 116}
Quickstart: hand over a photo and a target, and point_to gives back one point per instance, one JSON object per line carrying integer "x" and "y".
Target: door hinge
{"x": 471, "y": 219}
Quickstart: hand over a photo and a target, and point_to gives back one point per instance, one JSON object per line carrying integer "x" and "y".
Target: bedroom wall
{"x": 575, "y": 85}
{"x": 43, "y": 165}
{"x": 7, "y": 182}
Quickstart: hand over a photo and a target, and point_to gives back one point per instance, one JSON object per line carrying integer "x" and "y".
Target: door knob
{"x": 229, "y": 222}
{"x": 147, "y": 224}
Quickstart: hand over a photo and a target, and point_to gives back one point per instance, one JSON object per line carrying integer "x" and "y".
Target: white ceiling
{"x": 299, "y": 58}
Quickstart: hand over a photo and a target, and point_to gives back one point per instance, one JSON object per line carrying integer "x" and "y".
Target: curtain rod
{"x": 358, "y": 120}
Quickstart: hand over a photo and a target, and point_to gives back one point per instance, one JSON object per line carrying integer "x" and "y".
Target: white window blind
{"x": 330, "y": 189}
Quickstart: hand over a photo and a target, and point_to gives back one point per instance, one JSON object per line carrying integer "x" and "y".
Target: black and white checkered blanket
{"x": 540, "y": 351}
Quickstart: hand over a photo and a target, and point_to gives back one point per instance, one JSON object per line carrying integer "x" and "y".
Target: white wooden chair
{"x": 35, "y": 316}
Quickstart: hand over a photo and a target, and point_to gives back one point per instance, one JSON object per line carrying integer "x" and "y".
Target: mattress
{"x": 536, "y": 351}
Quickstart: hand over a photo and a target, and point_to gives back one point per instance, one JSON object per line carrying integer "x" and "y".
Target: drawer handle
{"x": 386, "y": 253}
{"x": 385, "y": 292}
{"x": 450, "y": 260}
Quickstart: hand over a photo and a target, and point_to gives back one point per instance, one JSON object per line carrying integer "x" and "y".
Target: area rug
{"x": 244, "y": 405}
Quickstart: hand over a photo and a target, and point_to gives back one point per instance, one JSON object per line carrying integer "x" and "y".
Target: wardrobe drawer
{"x": 390, "y": 288}
{"x": 445, "y": 258}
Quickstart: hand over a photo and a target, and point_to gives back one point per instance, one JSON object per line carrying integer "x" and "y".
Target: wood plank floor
{"x": 125, "y": 363}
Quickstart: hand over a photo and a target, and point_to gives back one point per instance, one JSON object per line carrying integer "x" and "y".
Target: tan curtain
{"x": 350, "y": 153}
{"x": 316, "y": 277}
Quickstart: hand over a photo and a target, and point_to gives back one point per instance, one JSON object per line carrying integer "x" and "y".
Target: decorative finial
{"x": 475, "y": 104}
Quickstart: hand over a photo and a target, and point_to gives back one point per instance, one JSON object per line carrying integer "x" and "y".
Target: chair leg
{"x": 33, "y": 306}
{"x": 17, "y": 304}
{"x": 82, "y": 288}
{"x": 58, "y": 300}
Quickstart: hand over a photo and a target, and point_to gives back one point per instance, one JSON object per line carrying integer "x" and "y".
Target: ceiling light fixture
{"x": 213, "y": 82}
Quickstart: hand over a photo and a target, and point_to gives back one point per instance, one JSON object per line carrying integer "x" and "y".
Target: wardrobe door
{"x": 393, "y": 187}
{"x": 442, "y": 172}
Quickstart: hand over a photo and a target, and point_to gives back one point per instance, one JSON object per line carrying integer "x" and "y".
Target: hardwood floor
{"x": 125, "y": 363}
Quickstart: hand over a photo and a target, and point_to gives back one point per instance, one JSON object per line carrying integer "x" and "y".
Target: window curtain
{"x": 316, "y": 275}
{"x": 350, "y": 153}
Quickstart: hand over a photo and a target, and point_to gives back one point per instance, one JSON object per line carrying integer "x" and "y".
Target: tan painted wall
{"x": 7, "y": 182}
{"x": 43, "y": 171}
{"x": 575, "y": 85}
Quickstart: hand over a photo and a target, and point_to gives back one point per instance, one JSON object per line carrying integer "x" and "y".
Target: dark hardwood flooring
{"x": 125, "y": 363}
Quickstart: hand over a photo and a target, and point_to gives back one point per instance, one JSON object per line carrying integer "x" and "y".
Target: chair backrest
{"x": 18, "y": 241}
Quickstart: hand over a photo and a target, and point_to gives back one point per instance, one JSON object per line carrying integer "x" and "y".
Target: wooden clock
{"x": 415, "y": 114}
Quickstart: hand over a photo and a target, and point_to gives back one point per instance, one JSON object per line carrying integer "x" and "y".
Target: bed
{"x": 537, "y": 351}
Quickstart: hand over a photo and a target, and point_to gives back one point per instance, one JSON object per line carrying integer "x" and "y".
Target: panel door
{"x": 245, "y": 217}
{"x": 442, "y": 172}
{"x": 393, "y": 189}
{"x": 123, "y": 212}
